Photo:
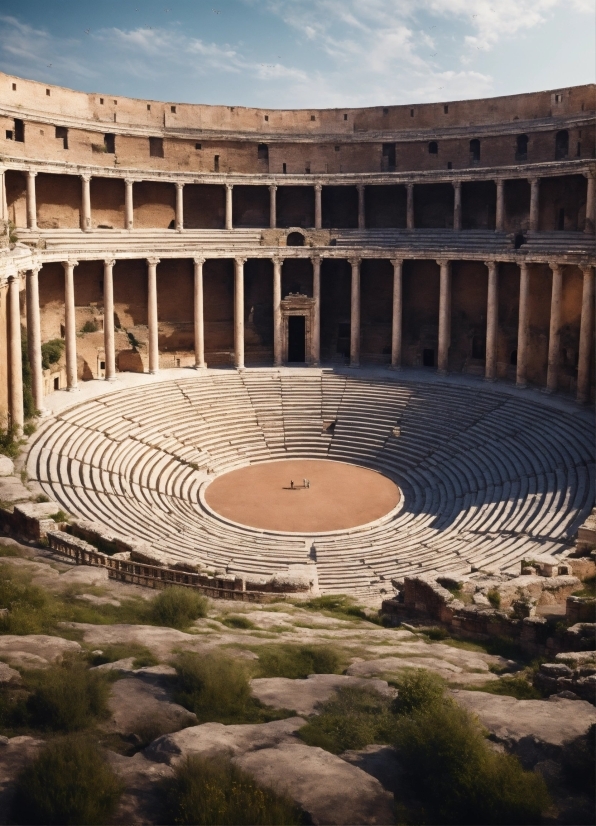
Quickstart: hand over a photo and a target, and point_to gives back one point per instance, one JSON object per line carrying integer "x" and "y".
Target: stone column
{"x": 239, "y": 312}
{"x": 70, "y": 325}
{"x": 410, "y": 206}
{"x": 17, "y": 417}
{"x": 85, "y": 203}
{"x": 318, "y": 206}
{"x": 316, "y": 294}
{"x": 500, "y": 214}
{"x": 554, "y": 337}
{"x": 277, "y": 342}
{"x": 355, "y": 314}
{"x": 199, "y": 316}
{"x": 523, "y": 327}
{"x": 361, "y": 208}
{"x": 34, "y": 337}
{"x": 586, "y": 333}
{"x": 492, "y": 320}
{"x": 108, "y": 319}
{"x": 590, "y": 204}
{"x": 457, "y": 205}
{"x": 272, "y": 206}
{"x": 128, "y": 204}
{"x": 534, "y": 203}
{"x": 31, "y": 201}
{"x": 229, "y": 188}
{"x": 444, "y": 316}
{"x": 152, "y": 315}
{"x": 396, "y": 318}
{"x": 179, "y": 207}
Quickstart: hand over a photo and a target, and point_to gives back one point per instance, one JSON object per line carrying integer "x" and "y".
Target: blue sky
{"x": 301, "y": 53}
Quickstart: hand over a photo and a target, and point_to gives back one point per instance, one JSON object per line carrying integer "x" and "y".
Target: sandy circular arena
{"x": 340, "y": 496}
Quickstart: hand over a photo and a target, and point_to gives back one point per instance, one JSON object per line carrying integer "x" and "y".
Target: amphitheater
{"x": 396, "y": 302}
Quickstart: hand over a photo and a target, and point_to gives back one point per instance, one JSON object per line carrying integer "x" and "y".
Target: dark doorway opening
{"x": 297, "y": 338}
{"x": 478, "y": 347}
{"x": 428, "y": 357}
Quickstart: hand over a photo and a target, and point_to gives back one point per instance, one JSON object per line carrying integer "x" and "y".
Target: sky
{"x": 301, "y": 53}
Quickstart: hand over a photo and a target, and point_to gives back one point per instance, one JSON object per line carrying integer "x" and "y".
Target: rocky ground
{"x": 357, "y": 786}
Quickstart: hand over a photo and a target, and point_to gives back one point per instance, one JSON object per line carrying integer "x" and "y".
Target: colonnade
{"x": 86, "y": 222}
{"x": 444, "y": 324}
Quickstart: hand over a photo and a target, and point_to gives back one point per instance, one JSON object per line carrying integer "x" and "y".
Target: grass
{"x": 214, "y": 792}
{"x": 240, "y": 622}
{"x": 339, "y": 606}
{"x": 494, "y": 597}
{"x": 63, "y": 698}
{"x": 517, "y": 686}
{"x": 352, "y": 719}
{"x": 33, "y": 610}
{"x": 143, "y": 657}
{"x": 177, "y": 607}
{"x": 589, "y": 588}
{"x": 452, "y": 776}
{"x": 217, "y": 689}
{"x": 298, "y": 661}
{"x": 69, "y": 782}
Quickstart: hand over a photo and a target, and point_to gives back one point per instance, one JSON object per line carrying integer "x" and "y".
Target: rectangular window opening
{"x": 262, "y": 152}
{"x": 216, "y": 163}
{"x": 266, "y": 117}
{"x": 411, "y": 113}
{"x": 156, "y": 147}
{"x": 101, "y": 101}
{"x": 14, "y": 87}
{"x": 385, "y": 111}
{"x": 173, "y": 110}
{"x": 198, "y": 146}
{"x": 115, "y": 103}
{"x": 337, "y": 148}
{"x": 19, "y": 131}
{"x": 109, "y": 142}
{"x": 345, "y": 117}
{"x": 9, "y": 134}
{"x": 449, "y": 165}
{"x": 312, "y": 117}
{"x": 307, "y": 169}
{"x": 446, "y": 109}
{"x": 284, "y": 168}
{"x": 148, "y": 107}
{"x": 62, "y": 135}
{"x": 48, "y": 92}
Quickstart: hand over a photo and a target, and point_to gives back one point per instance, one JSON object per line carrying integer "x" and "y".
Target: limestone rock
{"x": 35, "y": 650}
{"x": 327, "y": 788}
{"x": 137, "y": 704}
{"x": 84, "y": 575}
{"x": 141, "y": 799}
{"x": 8, "y": 674}
{"x": 213, "y": 738}
{"x": 533, "y": 729}
{"x": 15, "y": 753}
{"x": 379, "y": 761}
{"x": 6, "y": 466}
{"x": 450, "y": 671}
{"x": 303, "y": 696}
{"x": 92, "y": 599}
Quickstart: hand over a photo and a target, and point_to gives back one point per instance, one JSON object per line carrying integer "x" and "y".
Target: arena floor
{"x": 340, "y": 496}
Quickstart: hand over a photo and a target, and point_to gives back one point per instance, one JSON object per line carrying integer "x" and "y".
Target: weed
{"x": 338, "y": 605}
{"x": 471, "y": 783}
{"x": 298, "y": 661}
{"x": 217, "y": 689}
{"x": 517, "y": 686}
{"x": 29, "y": 429}
{"x": 589, "y": 588}
{"x": 59, "y": 516}
{"x": 89, "y": 327}
{"x": 42, "y": 498}
{"x": 177, "y": 607}
{"x": 212, "y": 791}
{"x": 494, "y": 597}
{"x": 417, "y": 689}
{"x": 435, "y": 634}
{"x": 352, "y": 719}
{"x": 143, "y": 657}
{"x": 69, "y": 782}
{"x": 51, "y": 352}
{"x": 238, "y": 622}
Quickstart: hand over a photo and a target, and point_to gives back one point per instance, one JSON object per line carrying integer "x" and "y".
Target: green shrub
{"x": 436, "y": 634}
{"x": 298, "y": 661}
{"x": 494, "y": 597}
{"x": 213, "y": 792}
{"x": 352, "y": 719}
{"x": 177, "y": 607}
{"x": 66, "y": 697}
{"x": 238, "y": 622}
{"x": 9, "y": 442}
{"x": 417, "y": 690}
{"x": 51, "y": 352}
{"x": 215, "y": 687}
{"x": 339, "y": 604}
{"x": 143, "y": 657}
{"x": 68, "y": 783}
{"x": 457, "y": 778}
{"x": 89, "y": 327}
{"x": 59, "y": 516}
{"x": 31, "y": 610}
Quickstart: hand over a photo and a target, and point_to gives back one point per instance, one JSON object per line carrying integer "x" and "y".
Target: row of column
{"x": 444, "y": 332}
{"x": 318, "y": 188}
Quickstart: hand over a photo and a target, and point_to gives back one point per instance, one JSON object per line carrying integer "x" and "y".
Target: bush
{"x": 352, "y": 719}
{"x": 457, "y": 778}
{"x": 177, "y": 607}
{"x": 215, "y": 687}
{"x": 30, "y": 609}
{"x": 238, "y": 622}
{"x": 66, "y": 697}
{"x": 494, "y": 597}
{"x": 338, "y": 604}
{"x": 89, "y": 327}
{"x": 214, "y": 792}
{"x": 9, "y": 442}
{"x": 298, "y": 661}
{"x": 51, "y": 352}
{"x": 68, "y": 783}
{"x": 417, "y": 690}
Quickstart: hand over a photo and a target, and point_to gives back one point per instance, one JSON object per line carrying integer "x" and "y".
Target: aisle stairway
{"x": 487, "y": 477}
